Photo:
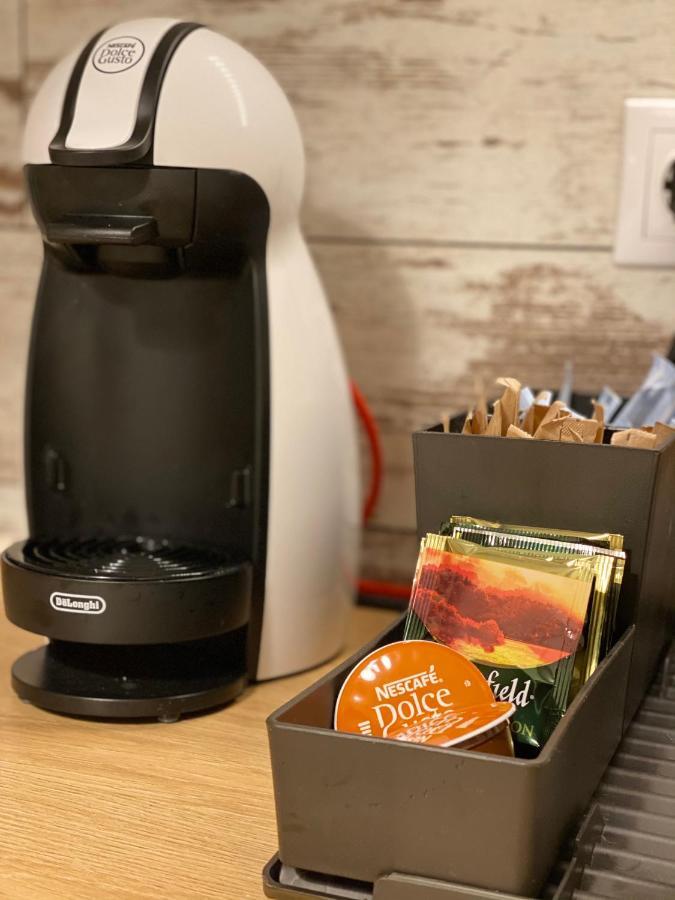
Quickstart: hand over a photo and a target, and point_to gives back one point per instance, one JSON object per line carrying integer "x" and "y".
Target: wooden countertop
{"x": 95, "y": 811}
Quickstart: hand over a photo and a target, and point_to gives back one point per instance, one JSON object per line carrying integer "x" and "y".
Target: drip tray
{"x": 126, "y": 590}
{"x": 138, "y": 626}
{"x": 161, "y": 681}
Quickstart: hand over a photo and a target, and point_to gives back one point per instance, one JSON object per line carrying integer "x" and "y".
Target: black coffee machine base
{"x": 60, "y": 677}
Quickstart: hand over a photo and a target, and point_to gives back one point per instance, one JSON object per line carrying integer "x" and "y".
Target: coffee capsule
{"x": 422, "y": 692}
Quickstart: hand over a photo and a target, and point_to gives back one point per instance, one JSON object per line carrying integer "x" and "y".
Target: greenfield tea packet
{"x": 518, "y": 618}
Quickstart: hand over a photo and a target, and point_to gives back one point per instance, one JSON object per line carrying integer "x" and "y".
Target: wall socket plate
{"x": 645, "y": 231}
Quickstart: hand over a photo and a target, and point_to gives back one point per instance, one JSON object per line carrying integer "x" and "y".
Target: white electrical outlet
{"x": 645, "y": 232}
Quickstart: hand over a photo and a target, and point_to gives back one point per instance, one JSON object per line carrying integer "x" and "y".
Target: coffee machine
{"x": 190, "y": 452}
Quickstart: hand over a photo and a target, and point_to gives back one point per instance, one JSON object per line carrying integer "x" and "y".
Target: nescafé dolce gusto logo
{"x": 118, "y": 54}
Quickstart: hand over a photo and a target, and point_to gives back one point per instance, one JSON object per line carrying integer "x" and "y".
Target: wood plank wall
{"x": 463, "y": 163}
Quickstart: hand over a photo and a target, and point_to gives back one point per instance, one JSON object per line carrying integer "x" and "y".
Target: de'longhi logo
{"x": 118, "y": 54}
{"x": 89, "y": 604}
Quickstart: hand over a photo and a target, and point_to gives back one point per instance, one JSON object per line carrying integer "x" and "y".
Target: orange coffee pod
{"x": 419, "y": 691}
{"x": 467, "y": 726}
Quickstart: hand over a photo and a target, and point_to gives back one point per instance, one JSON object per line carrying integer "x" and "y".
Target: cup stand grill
{"x": 123, "y": 559}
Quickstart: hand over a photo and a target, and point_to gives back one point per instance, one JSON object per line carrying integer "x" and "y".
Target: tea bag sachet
{"x": 599, "y": 416}
{"x": 517, "y": 617}
{"x": 555, "y": 411}
{"x": 663, "y": 433}
{"x": 534, "y": 417}
{"x": 651, "y": 437}
{"x": 654, "y": 401}
{"x": 509, "y": 403}
{"x": 505, "y": 411}
{"x": 579, "y": 431}
{"x": 494, "y": 426}
{"x": 611, "y": 402}
{"x": 518, "y": 413}
{"x": 559, "y": 424}
{"x": 600, "y": 542}
{"x": 605, "y": 586}
{"x": 526, "y": 400}
{"x": 515, "y": 432}
{"x": 604, "y": 539}
{"x": 480, "y": 413}
{"x": 634, "y": 437}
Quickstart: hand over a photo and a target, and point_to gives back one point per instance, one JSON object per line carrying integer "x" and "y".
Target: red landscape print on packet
{"x": 498, "y": 613}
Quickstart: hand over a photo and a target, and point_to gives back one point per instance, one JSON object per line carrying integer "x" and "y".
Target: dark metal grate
{"x": 124, "y": 559}
{"x": 635, "y": 856}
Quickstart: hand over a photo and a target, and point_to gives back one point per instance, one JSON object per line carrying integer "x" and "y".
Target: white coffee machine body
{"x": 219, "y": 108}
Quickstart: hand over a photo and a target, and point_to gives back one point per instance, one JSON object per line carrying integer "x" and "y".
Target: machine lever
{"x": 94, "y": 229}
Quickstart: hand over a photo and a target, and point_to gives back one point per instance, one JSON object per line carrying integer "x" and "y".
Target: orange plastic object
{"x": 422, "y": 692}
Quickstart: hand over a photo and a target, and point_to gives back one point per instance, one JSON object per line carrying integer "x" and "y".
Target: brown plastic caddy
{"x": 367, "y": 809}
{"x": 359, "y": 807}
